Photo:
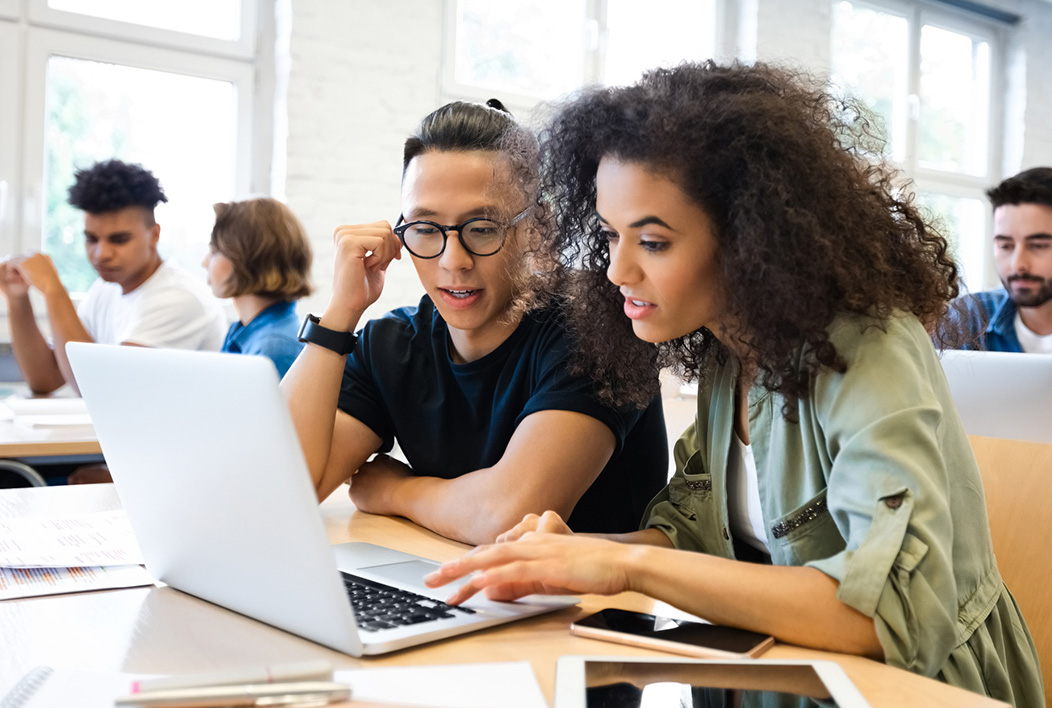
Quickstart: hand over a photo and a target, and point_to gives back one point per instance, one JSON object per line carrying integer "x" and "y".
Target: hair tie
{"x": 495, "y": 103}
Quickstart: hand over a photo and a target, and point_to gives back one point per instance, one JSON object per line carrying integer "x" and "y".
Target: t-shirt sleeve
{"x": 889, "y": 491}
{"x": 556, "y": 388}
{"x": 168, "y": 318}
{"x": 360, "y": 395}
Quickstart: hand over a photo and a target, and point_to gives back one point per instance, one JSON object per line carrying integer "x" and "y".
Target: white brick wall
{"x": 795, "y": 33}
{"x": 1036, "y": 40}
{"x": 365, "y": 71}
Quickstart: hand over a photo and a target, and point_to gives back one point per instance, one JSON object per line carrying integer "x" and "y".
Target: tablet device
{"x": 638, "y": 682}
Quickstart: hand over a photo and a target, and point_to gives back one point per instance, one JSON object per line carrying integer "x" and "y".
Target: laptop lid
{"x": 1002, "y": 394}
{"x": 206, "y": 460}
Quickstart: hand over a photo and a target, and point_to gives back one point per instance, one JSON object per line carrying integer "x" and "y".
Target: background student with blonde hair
{"x": 260, "y": 257}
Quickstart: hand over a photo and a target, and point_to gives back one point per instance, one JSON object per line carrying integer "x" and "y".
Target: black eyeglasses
{"x": 480, "y": 236}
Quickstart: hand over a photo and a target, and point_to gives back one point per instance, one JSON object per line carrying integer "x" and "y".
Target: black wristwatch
{"x": 312, "y": 331}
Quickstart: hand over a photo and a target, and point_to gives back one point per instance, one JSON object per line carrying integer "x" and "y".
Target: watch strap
{"x": 313, "y": 332}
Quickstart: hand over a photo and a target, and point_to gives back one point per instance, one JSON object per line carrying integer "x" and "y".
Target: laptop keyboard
{"x": 378, "y": 606}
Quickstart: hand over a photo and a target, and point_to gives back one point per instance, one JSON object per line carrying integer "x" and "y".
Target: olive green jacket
{"x": 877, "y": 487}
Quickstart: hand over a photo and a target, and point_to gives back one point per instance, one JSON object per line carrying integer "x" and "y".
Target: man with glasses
{"x": 473, "y": 383}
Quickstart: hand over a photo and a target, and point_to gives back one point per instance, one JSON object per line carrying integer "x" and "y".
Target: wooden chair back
{"x": 1017, "y": 481}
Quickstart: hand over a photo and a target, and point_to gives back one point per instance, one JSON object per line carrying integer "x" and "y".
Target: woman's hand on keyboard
{"x": 539, "y": 563}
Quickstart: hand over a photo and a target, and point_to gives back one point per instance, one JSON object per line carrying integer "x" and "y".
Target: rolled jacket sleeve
{"x": 900, "y": 465}
{"x": 874, "y": 483}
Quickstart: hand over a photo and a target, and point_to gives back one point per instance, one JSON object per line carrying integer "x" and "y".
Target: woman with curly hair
{"x": 731, "y": 219}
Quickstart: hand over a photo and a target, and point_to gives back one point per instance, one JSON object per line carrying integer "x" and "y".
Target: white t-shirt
{"x": 170, "y": 310}
{"x": 743, "y": 497}
{"x": 1032, "y": 342}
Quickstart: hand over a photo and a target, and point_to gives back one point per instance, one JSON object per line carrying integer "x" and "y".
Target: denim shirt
{"x": 876, "y": 486}
{"x": 272, "y": 333}
{"x": 998, "y": 310}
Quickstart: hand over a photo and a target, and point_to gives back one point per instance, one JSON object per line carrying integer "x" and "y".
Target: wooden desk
{"x": 20, "y": 442}
{"x": 160, "y": 630}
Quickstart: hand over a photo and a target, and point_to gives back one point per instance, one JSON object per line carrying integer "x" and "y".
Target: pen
{"x": 319, "y": 670}
{"x": 314, "y": 693}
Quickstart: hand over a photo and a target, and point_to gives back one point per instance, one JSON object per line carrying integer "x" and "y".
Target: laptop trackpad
{"x": 410, "y": 572}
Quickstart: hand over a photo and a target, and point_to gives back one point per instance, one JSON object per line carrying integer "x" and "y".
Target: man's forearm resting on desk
{"x": 477, "y": 506}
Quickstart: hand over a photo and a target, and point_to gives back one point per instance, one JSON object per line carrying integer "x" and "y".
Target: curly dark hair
{"x": 807, "y": 224}
{"x": 1033, "y": 186}
{"x": 112, "y": 185}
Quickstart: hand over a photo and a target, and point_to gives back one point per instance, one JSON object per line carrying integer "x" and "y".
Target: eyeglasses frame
{"x": 400, "y": 230}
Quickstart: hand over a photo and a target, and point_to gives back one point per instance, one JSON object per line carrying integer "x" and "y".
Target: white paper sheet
{"x": 35, "y": 582}
{"x": 103, "y": 538}
{"x": 55, "y": 405}
{"x": 45, "y": 688}
{"x": 506, "y": 684}
{"x": 53, "y": 420}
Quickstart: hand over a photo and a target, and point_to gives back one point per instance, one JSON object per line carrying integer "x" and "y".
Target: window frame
{"x": 41, "y": 14}
{"x": 10, "y": 154}
{"x": 959, "y": 184}
{"x": 594, "y": 29}
{"x": 451, "y": 89}
{"x": 45, "y": 43}
{"x": 917, "y": 14}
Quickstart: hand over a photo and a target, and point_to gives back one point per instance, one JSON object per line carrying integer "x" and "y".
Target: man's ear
{"x": 155, "y": 234}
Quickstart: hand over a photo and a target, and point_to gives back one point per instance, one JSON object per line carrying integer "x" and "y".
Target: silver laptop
{"x": 1000, "y": 394}
{"x": 207, "y": 464}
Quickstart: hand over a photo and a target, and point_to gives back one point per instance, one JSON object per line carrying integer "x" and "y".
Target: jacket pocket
{"x": 804, "y": 534}
{"x": 690, "y": 489}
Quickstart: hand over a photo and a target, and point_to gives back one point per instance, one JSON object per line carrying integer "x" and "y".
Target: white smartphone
{"x": 631, "y": 682}
{"x": 672, "y": 635}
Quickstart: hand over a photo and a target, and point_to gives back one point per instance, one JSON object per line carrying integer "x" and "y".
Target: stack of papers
{"x": 50, "y": 556}
{"x": 45, "y": 412}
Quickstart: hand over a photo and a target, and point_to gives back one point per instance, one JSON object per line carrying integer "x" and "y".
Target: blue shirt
{"x": 451, "y": 419}
{"x": 995, "y": 308}
{"x": 272, "y": 333}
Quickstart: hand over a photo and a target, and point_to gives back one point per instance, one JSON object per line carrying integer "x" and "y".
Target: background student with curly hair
{"x": 729, "y": 219}
{"x": 138, "y": 299}
{"x": 259, "y": 256}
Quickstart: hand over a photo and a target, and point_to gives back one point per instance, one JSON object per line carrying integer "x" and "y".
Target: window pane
{"x": 963, "y": 223}
{"x": 641, "y": 37}
{"x": 100, "y": 111}
{"x": 870, "y": 60}
{"x": 530, "y": 47}
{"x": 955, "y": 101}
{"x": 220, "y": 19}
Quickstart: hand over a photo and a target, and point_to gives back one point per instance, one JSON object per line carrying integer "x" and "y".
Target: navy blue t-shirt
{"x": 451, "y": 419}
